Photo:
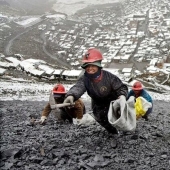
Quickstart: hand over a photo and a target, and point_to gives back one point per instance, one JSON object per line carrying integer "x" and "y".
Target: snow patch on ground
{"x": 28, "y": 91}
{"x": 40, "y": 91}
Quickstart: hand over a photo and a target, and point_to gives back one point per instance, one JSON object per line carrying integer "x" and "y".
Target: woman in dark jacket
{"x": 102, "y": 86}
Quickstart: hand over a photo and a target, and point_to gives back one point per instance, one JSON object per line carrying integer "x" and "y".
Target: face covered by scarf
{"x": 96, "y": 74}
{"x": 93, "y": 76}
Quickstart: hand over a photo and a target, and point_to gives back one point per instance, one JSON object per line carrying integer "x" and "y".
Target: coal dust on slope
{"x": 64, "y": 146}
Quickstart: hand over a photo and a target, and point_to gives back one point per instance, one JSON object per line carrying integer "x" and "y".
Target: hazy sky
{"x": 68, "y": 7}
{"x": 72, "y": 6}
{"x": 40, "y": 6}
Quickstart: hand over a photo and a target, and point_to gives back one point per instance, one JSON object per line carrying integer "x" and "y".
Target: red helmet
{"x": 59, "y": 89}
{"x": 92, "y": 55}
{"x": 137, "y": 86}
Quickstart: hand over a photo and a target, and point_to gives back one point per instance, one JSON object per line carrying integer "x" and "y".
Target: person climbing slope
{"x": 102, "y": 86}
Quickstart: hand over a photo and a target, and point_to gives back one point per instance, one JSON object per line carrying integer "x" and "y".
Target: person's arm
{"x": 46, "y": 110}
{"x": 79, "y": 108}
{"x": 120, "y": 88}
{"x": 45, "y": 113}
{"x": 77, "y": 90}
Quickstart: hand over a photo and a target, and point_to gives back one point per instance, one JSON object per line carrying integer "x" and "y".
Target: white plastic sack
{"x": 87, "y": 119}
{"x": 122, "y": 114}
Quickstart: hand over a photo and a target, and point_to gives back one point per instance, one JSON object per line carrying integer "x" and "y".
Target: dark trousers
{"x": 100, "y": 114}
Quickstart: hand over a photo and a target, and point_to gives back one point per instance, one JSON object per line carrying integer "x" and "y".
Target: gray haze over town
{"x": 43, "y": 42}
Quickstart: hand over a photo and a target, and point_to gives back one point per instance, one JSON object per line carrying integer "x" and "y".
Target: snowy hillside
{"x": 40, "y": 91}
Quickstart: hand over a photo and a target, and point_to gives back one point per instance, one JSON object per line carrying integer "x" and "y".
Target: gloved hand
{"x": 43, "y": 119}
{"x": 69, "y": 99}
{"x": 76, "y": 121}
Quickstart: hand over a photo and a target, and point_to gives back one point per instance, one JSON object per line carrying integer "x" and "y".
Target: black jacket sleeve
{"x": 78, "y": 89}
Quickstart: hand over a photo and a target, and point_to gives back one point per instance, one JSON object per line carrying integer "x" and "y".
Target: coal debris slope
{"x": 65, "y": 146}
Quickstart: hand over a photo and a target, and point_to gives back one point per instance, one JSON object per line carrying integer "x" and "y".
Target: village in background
{"x": 133, "y": 35}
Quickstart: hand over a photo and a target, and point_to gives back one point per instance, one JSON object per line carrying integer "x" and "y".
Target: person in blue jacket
{"x": 138, "y": 91}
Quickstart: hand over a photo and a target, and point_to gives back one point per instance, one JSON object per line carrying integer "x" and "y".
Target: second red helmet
{"x": 59, "y": 89}
{"x": 137, "y": 86}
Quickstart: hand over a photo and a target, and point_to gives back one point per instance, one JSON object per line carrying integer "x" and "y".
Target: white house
{"x": 2, "y": 71}
{"x": 71, "y": 74}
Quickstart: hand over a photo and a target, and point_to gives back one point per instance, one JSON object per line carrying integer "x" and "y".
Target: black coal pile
{"x": 64, "y": 146}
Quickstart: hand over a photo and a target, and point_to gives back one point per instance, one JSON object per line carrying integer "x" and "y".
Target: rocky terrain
{"x": 64, "y": 146}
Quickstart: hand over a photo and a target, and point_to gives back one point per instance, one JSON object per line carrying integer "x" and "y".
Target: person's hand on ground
{"x": 43, "y": 119}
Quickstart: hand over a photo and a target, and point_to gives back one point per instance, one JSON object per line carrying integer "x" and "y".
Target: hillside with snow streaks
{"x": 40, "y": 91}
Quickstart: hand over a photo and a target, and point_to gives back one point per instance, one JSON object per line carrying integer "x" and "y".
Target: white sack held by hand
{"x": 122, "y": 115}
{"x": 122, "y": 99}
